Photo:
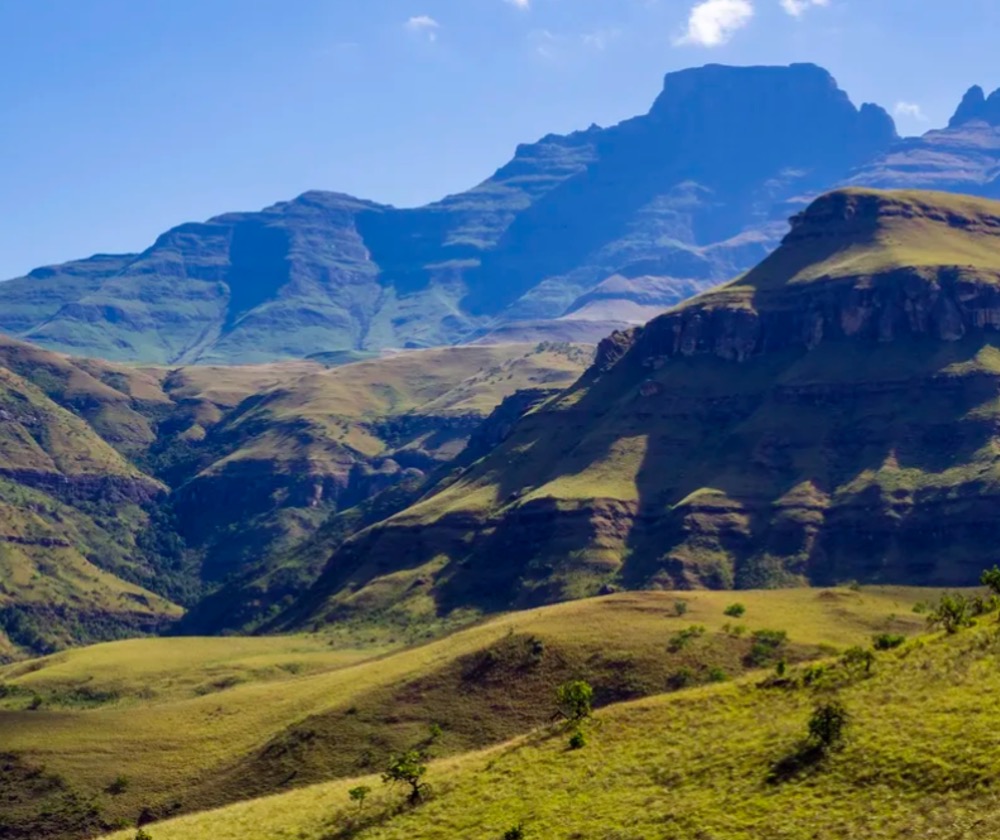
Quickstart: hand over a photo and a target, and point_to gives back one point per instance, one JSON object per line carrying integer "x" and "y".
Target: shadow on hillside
{"x": 750, "y": 433}
{"x": 805, "y": 761}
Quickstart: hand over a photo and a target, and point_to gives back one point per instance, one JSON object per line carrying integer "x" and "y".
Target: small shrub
{"x": 118, "y": 786}
{"x": 920, "y": 608}
{"x": 682, "y": 678}
{"x": 854, "y": 586}
{"x": 36, "y": 702}
{"x": 682, "y": 638}
{"x": 577, "y": 740}
{"x": 143, "y": 835}
{"x": 717, "y": 675}
{"x": 828, "y": 724}
{"x": 515, "y": 832}
{"x": 435, "y": 731}
{"x": 735, "y": 611}
{"x": 680, "y": 607}
{"x": 857, "y": 658}
{"x": 888, "y": 641}
{"x": 766, "y": 644}
{"x": 781, "y": 668}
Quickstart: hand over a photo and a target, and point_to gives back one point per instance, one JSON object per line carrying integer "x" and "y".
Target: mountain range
{"x": 762, "y": 433}
{"x": 576, "y": 235}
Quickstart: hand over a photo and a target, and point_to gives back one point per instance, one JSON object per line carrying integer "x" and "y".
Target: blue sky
{"x": 121, "y": 118}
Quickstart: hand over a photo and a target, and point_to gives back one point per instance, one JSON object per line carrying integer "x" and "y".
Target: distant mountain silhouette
{"x": 572, "y": 237}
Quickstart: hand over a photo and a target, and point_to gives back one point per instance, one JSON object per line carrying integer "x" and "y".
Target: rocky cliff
{"x": 829, "y": 416}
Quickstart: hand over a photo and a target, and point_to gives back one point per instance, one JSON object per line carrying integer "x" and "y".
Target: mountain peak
{"x": 976, "y": 106}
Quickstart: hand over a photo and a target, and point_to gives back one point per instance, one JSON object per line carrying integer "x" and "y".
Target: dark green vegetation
{"x": 125, "y": 492}
{"x": 576, "y": 234}
{"x": 829, "y": 416}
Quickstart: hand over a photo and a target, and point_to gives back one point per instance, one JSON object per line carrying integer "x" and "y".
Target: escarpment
{"x": 831, "y": 415}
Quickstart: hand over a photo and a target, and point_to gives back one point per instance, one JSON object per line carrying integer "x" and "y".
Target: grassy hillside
{"x": 104, "y": 469}
{"x": 728, "y": 760}
{"x": 830, "y": 416}
{"x": 194, "y": 723}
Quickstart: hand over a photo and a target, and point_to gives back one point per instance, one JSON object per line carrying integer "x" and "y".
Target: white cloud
{"x": 910, "y": 110}
{"x": 713, "y": 22}
{"x": 599, "y": 39}
{"x": 797, "y": 8}
{"x": 521, "y": 4}
{"x": 424, "y": 25}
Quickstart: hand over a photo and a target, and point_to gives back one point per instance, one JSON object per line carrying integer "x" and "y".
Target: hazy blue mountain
{"x": 574, "y": 236}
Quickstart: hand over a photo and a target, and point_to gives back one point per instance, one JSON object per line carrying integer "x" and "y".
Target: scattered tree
{"x": 408, "y": 768}
{"x": 680, "y": 607}
{"x": 953, "y": 613}
{"x": 735, "y": 610}
{"x": 991, "y": 579}
{"x": 575, "y": 699}
{"x": 682, "y": 638}
{"x": 828, "y": 724}
{"x": 359, "y": 794}
{"x": 515, "y": 832}
{"x": 143, "y": 835}
{"x": 858, "y": 657}
{"x": 577, "y": 740}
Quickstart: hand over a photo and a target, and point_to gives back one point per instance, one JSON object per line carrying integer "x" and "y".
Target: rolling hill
{"x": 193, "y": 723}
{"x": 576, "y": 235}
{"x": 727, "y": 761}
{"x": 829, "y": 416}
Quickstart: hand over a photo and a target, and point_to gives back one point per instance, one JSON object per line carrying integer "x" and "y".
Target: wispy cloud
{"x": 910, "y": 110}
{"x": 521, "y": 4}
{"x": 797, "y": 8}
{"x": 712, "y": 23}
{"x": 554, "y": 46}
{"x": 424, "y": 25}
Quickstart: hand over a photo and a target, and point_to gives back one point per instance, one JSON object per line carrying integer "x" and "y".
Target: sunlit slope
{"x": 830, "y": 416}
{"x": 203, "y": 722}
{"x": 722, "y": 761}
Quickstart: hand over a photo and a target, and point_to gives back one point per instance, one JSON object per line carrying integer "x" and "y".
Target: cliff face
{"x": 829, "y": 416}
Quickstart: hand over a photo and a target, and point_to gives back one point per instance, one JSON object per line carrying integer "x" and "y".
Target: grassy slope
{"x": 210, "y": 721}
{"x": 919, "y": 761}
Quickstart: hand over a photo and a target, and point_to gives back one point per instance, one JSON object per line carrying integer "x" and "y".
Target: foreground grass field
{"x": 195, "y": 723}
{"x": 724, "y": 761}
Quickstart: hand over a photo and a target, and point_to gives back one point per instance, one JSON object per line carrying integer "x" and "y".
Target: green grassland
{"x": 726, "y": 760}
{"x": 195, "y": 723}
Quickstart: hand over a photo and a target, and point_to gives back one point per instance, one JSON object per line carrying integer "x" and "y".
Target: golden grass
{"x": 191, "y": 707}
{"x": 920, "y": 761}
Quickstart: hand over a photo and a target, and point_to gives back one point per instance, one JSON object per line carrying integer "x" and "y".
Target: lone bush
{"x": 577, "y": 740}
{"x": 766, "y": 645}
{"x": 828, "y": 724}
{"x": 888, "y": 641}
{"x": 735, "y": 611}
{"x": 680, "y": 607}
{"x": 515, "y": 832}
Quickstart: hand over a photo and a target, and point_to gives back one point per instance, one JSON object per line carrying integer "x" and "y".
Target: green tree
{"x": 953, "y": 612}
{"x": 359, "y": 794}
{"x": 515, "y": 832}
{"x": 575, "y": 700}
{"x": 408, "y": 768}
{"x": 735, "y": 610}
{"x": 828, "y": 724}
{"x": 143, "y": 835}
{"x": 991, "y": 578}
